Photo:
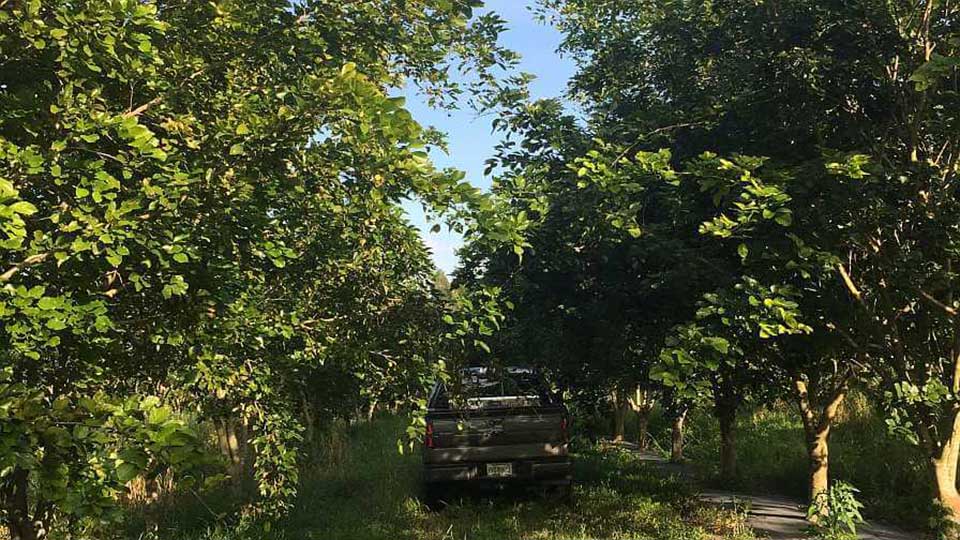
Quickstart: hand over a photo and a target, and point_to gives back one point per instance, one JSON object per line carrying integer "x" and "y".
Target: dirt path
{"x": 772, "y": 516}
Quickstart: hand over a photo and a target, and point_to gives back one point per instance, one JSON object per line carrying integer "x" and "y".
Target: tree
{"x": 603, "y": 276}
{"x": 817, "y": 87}
{"x": 199, "y": 216}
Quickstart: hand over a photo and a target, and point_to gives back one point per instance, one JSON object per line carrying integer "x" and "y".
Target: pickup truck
{"x": 495, "y": 426}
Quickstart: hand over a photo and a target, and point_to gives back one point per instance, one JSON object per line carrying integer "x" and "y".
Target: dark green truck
{"x": 496, "y": 427}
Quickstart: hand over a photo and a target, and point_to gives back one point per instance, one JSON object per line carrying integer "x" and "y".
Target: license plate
{"x": 499, "y": 470}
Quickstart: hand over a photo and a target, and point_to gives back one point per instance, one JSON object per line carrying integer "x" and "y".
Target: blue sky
{"x": 470, "y": 139}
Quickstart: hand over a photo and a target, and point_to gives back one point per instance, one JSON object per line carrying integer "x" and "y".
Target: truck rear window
{"x": 480, "y": 388}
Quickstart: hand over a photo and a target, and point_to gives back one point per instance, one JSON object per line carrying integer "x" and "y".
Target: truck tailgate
{"x": 496, "y": 435}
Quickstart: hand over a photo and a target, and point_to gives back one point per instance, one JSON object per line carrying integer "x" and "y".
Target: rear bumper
{"x": 556, "y": 471}
{"x": 501, "y": 453}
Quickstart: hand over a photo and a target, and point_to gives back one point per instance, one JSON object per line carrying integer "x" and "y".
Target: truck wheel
{"x": 433, "y": 496}
{"x": 562, "y": 493}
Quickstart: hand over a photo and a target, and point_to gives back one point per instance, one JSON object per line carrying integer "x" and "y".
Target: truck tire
{"x": 433, "y": 496}
{"x": 562, "y": 493}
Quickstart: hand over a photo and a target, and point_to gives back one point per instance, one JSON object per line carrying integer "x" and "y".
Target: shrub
{"x": 836, "y": 512}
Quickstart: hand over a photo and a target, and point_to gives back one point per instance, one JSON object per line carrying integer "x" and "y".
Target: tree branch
{"x": 929, "y": 298}
{"x": 836, "y": 399}
{"x": 141, "y": 109}
{"x": 29, "y": 261}
{"x": 643, "y": 137}
{"x": 848, "y": 281}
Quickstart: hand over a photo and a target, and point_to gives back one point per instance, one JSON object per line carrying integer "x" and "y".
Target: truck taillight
{"x": 428, "y": 440}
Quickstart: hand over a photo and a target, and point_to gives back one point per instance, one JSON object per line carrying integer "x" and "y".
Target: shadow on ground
{"x": 772, "y": 516}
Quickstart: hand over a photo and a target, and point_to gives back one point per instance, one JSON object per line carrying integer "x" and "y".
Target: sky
{"x": 470, "y": 138}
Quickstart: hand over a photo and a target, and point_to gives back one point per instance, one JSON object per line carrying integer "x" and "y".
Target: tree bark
{"x": 818, "y": 455}
{"x": 947, "y": 454}
{"x": 816, "y": 427}
{"x": 726, "y": 401}
{"x": 310, "y": 427}
{"x": 643, "y": 424}
{"x": 371, "y": 410}
{"x": 619, "y": 416}
{"x": 944, "y": 466}
{"x": 728, "y": 444}
{"x": 676, "y": 446}
{"x": 16, "y": 504}
{"x": 232, "y": 441}
{"x": 642, "y": 404}
{"x": 619, "y": 423}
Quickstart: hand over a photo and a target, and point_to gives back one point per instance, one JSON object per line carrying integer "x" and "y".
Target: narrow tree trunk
{"x": 676, "y": 446}
{"x": 944, "y": 457}
{"x": 726, "y": 401}
{"x": 944, "y": 468}
{"x": 230, "y": 446}
{"x": 816, "y": 426}
{"x": 818, "y": 454}
{"x": 619, "y": 422}
{"x": 248, "y": 458}
{"x": 16, "y": 501}
{"x": 728, "y": 445}
{"x": 619, "y": 415}
{"x": 642, "y": 404}
{"x": 643, "y": 424}
{"x": 371, "y": 410}
{"x": 310, "y": 426}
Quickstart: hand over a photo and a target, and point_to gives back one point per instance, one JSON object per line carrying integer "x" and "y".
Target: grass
{"x": 889, "y": 473}
{"x": 365, "y": 490}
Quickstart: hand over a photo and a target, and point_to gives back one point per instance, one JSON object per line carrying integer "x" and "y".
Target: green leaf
{"x": 48, "y": 303}
{"x": 56, "y": 324}
{"x": 158, "y": 415}
{"x": 482, "y": 345}
{"x": 784, "y": 218}
{"x": 127, "y": 472}
{"x": 24, "y": 208}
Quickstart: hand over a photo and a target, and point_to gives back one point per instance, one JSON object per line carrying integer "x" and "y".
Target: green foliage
{"x": 201, "y": 201}
{"x": 834, "y": 254}
{"x": 365, "y": 490}
{"x": 771, "y": 458}
{"x": 837, "y": 512}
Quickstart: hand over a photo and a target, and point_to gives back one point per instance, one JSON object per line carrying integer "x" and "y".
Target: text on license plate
{"x": 499, "y": 470}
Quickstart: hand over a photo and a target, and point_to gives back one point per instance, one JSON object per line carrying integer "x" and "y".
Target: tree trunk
{"x": 728, "y": 445}
{"x": 371, "y": 410}
{"x": 310, "y": 426}
{"x": 619, "y": 415}
{"x": 944, "y": 468}
{"x": 619, "y": 422}
{"x": 643, "y": 424}
{"x": 232, "y": 441}
{"x": 818, "y": 454}
{"x": 16, "y": 504}
{"x": 816, "y": 426}
{"x": 726, "y": 401}
{"x": 642, "y": 404}
{"x": 676, "y": 446}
